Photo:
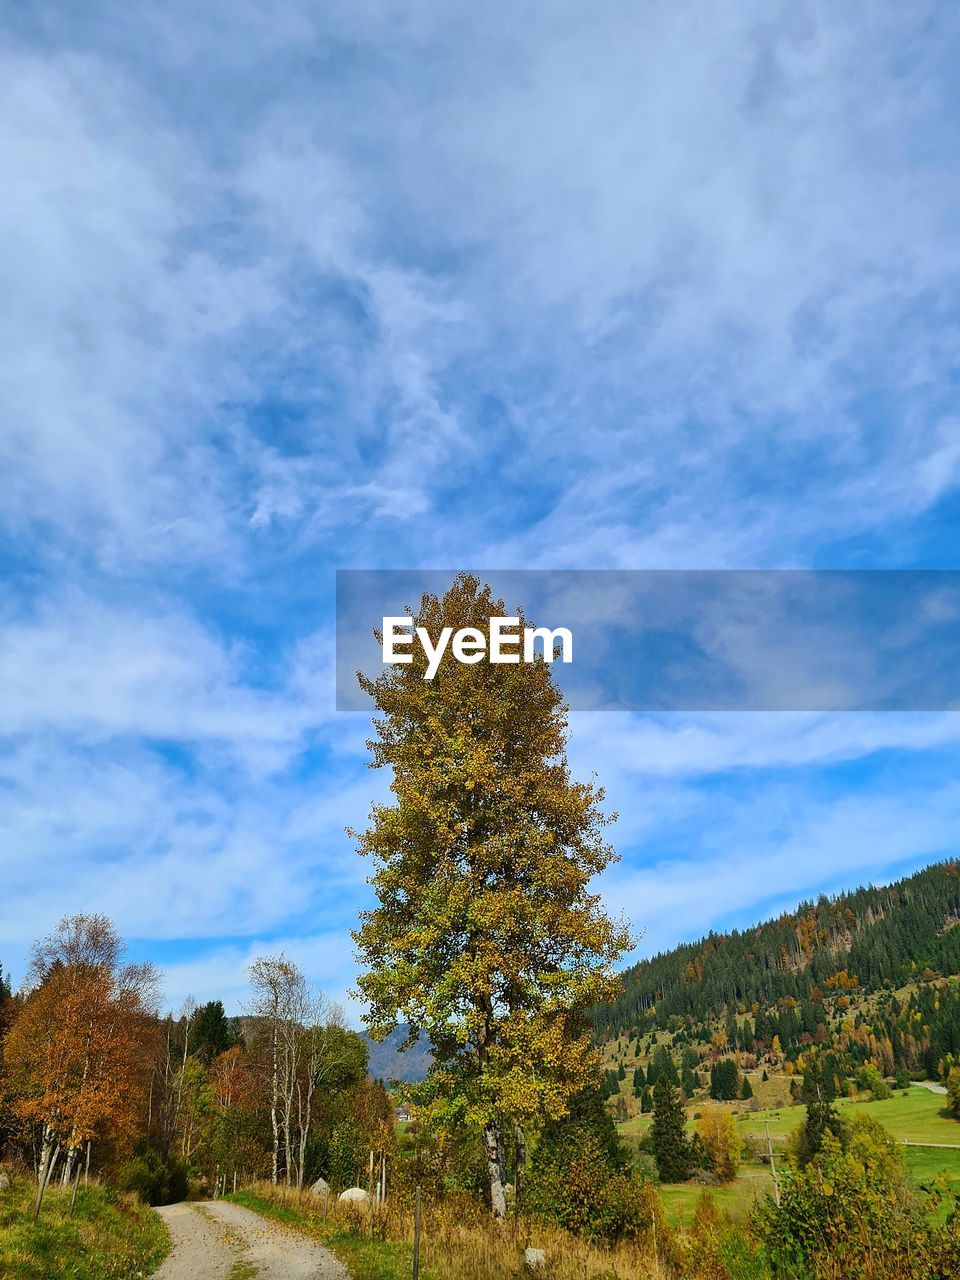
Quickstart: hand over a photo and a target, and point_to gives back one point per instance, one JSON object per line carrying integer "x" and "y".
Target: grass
{"x": 735, "y": 1198}
{"x": 459, "y": 1242}
{"x": 108, "y": 1238}
{"x": 916, "y": 1115}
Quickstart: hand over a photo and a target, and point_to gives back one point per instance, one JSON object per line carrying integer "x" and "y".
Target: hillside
{"x": 864, "y": 940}
{"x": 386, "y": 1062}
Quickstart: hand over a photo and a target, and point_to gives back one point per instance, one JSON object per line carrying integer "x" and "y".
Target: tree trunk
{"x": 493, "y": 1146}
{"x": 50, "y": 1149}
{"x": 521, "y": 1139}
{"x": 76, "y": 1184}
{"x": 274, "y": 1097}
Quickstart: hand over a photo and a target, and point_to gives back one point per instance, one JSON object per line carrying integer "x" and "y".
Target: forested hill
{"x": 861, "y": 940}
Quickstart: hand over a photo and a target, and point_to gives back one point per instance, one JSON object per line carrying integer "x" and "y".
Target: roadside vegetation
{"x": 108, "y": 1236}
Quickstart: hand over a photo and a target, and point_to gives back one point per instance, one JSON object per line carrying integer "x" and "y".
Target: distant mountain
{"x": 867, "y": 940}
{"x": 387, "y": 1063}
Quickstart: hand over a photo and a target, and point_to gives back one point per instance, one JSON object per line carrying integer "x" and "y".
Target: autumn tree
{"x": 486, "y": 937}
{"x": 304, "y": 1046}
{"x": 718, "y": 1132}
{"x": 75, "y": 1053}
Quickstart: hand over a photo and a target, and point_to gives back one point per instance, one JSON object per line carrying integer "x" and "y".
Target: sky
{"x": 294, "y": 287}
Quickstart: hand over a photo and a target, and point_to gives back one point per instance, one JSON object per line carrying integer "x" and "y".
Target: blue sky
{"x": 294, "y": 287}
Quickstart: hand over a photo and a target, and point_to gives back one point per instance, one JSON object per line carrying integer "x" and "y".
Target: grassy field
{"x": 915, "y": 1116}
{"x": 107, "y": 1238}
{"x": 736, "y": 1198}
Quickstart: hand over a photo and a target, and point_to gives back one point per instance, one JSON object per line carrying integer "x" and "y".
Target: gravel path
{"x": 222, "y": 1241}
{"x": 929, "y": 1084}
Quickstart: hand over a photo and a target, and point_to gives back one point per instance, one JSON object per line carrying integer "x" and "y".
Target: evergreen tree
{"x": 670, "y": 1147}
{"x": 724, "y": 1080}
{"x": 746, "y": 1089}
{"x": 822, "y": 1117}
{"x": 212, "y": 1032}
{"x": 662, "y": 1066}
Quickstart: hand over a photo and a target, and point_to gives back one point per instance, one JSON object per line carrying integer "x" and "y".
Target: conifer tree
{"x": 486, "y": 937}
{"x": 822, "y": 1117}
{"x": 670, "y": 1147}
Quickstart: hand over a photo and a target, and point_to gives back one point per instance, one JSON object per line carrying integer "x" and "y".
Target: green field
{"x": 680, "y": 1201}
{"x": 915, "y": 1116}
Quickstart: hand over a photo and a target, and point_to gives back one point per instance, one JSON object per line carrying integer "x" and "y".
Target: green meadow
{"x": 913, "y": 1116}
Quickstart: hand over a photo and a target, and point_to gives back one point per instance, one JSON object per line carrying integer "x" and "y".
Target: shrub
{"x": 579, "y": 1174}
{"x": 152, "y": 1180}
{"x": 626, "y": 1209}
{"x": 851, "y": 1201}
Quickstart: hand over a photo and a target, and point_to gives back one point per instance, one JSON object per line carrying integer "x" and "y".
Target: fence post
{"x": 370, "y": 1193}
{"x": 773, "y": 1167}
{"x": 416, "y": 1235}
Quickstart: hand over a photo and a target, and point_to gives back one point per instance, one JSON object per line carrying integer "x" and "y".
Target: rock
{"x": 354, "y": 1195}
{"x": 321, "y": 1188}
{"x": 534, "y": 1259}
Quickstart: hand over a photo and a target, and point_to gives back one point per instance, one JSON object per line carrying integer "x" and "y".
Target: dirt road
{"x": 221, "y": 1241}
{"x": 929, "y": 1084}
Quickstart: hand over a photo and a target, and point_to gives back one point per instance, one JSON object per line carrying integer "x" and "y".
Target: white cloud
{"x": 784, "y": 848}
{"x": 294, "y": 286}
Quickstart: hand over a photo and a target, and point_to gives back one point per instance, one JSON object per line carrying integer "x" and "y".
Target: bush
{"x": 152, "y": 1180}
{"x": 853, "y": 1201}
{"x": 626, "y": 1210}
{"x": 579, "y": 1173}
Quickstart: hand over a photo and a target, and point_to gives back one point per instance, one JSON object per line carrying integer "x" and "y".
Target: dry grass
{"x": 458, "y": 1241}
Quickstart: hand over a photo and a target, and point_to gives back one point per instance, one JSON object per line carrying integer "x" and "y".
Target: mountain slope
{"x": 863, "y": 940}
{"x": 386, "y": 1062}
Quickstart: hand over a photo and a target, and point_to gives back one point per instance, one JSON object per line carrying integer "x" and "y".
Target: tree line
{"x": 860, "y": 940}
{"x": 92, "y": 1074}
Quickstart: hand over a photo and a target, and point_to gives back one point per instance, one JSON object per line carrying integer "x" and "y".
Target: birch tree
{"x": 487, "y": 937}
{"x": 302, "y": 1053}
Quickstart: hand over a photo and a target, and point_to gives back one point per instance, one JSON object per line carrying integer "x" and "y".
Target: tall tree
{"x": 822, "y": 1117}
{"x": 486, "y": 938}
{"x": 671, "y": 1149}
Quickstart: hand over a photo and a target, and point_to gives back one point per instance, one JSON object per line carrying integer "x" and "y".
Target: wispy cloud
{"x": 294, "y": 287}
